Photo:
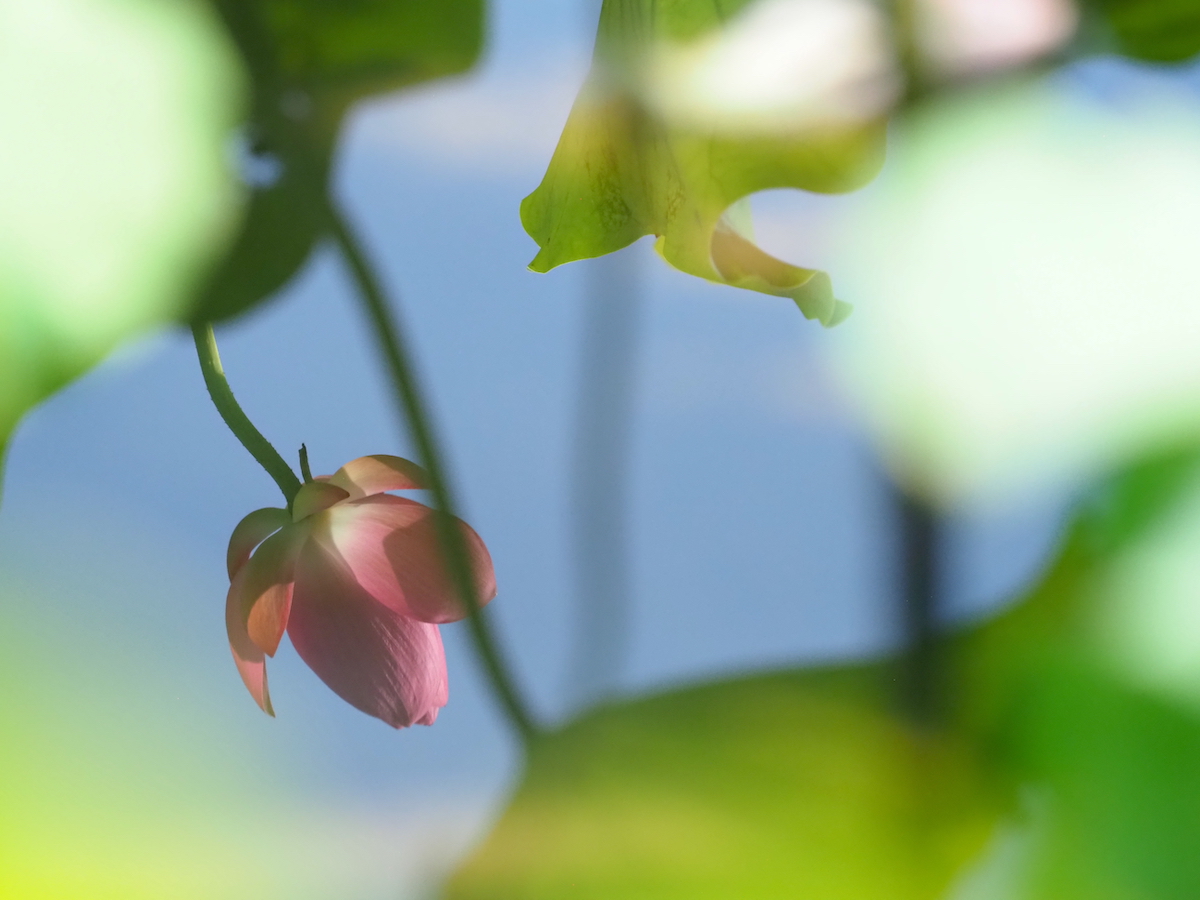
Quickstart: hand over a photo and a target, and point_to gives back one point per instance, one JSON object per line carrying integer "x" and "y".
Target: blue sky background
{"x": 760, "y": 531}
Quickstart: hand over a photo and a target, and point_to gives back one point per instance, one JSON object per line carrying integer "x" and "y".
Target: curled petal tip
{"x": 379, "y": 473}
{"x": 249, "y": 533}
{"x": 392, "y": 550}
{"x": 260, "y": 596}
{"x": 840, "y": 313}
{"x": 251, "y": 665}
{"x": 316, "y": 496}
{"x": 264, "y": 703}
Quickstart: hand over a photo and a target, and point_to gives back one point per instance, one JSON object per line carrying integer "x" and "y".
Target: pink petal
{"x": 261, "y": 592}
{"x": 391, "y": 546}
{"x": 251, "y": 664}
{"x": 382, "y": 662}
{"x": 249, "y": 533}
{"x": 315, "y": 496}
{"x": 369, "y": 475}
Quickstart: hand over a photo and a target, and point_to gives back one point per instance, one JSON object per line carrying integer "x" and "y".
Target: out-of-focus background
{"x": 760, "y": 528}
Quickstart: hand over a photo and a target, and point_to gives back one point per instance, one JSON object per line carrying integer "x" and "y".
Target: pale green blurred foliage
{"x": 1148, "y": 608}
{"x": 798, "y": 784}
{"x": 1027, "y": 269}
{"x": 1029, "y": 312}
{"x": 130, "y": 769}
{"x": 115, "y": 117}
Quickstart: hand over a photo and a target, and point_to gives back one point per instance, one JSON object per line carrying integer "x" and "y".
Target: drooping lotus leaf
{"x": 116, "y": 196}
{"x": 783, "y": 785}
{"x": 310, "y": 60}
{"x": 622, "y": 171}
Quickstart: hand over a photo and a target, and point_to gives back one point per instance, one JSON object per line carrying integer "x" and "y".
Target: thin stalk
{"x": 919, "y": 597}
{"x": 600, "y": 489}
{"x": 237, "y": 420}
{"x": 3, "y": 466}
{"x": 408, "y": 394}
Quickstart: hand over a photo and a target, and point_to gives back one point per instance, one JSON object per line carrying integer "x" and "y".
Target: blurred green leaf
{"x": 1124, "y": 507}
{"x": 1124, "y": 770}
{"x": 1068, "y": 696}
{"x": 807, "y": 784}
{"x": 310, "y": 61}
{"x": 1112, "y": 521}
{"x": 283, "y": 221}
{"x": 1154, "y": 30}
{"x": 344, "y": 51}
{"x": 992, "y": 663}
{"x": 784, "y": 785}
{"x": 116, "y": 195}
{"x": 620, "y": 171}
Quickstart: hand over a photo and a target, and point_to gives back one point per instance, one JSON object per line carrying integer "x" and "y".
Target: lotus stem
{"x": 235, "y": 417}
{"x": 409, "y": 397}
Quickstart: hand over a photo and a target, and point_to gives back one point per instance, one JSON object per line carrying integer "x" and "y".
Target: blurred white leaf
{"x": 114, "y": 116}
{"x": 1030, "y": 301}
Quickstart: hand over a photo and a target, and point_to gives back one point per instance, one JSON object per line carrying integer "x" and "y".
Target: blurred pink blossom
{"x": 356, "y": 577}
{"x": 961, "y": 37}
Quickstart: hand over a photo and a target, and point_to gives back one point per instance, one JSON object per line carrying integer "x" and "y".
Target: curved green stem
{"x": 237, "y": 420}
{"x": 305, "y": 471}
{"x": 922, "y": 687}
{"x": 404, "y": 381}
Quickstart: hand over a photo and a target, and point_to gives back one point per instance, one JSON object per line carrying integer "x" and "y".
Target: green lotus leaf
{"x": 798, "y": 784}
{"x": 1088, "y": 693}
{"x": 281, "y": 224}
{"x": 310, "y": 61}
{"x": 1154, "y": 30}
{"x": 622, "y": 170}
{"x": 1123, "y": 771}
{"x": 342, "y": 52}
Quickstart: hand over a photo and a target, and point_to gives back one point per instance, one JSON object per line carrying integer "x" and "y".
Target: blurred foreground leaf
{"x": 1059, "y": 617}
{"x": 310, "y": 61}
{"x": 806, "y": 784}
{"x": 1154, "y": 30}
{"x": 782, "y": 786}
{"x": 1124, "y": 767}
{"x": 113, "y": 120}
{"x": 1089, "y": 690}
{"x": 621, "y": 171}
{"x": 115, "y": 786}
{"x": 1026, "y": 278}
